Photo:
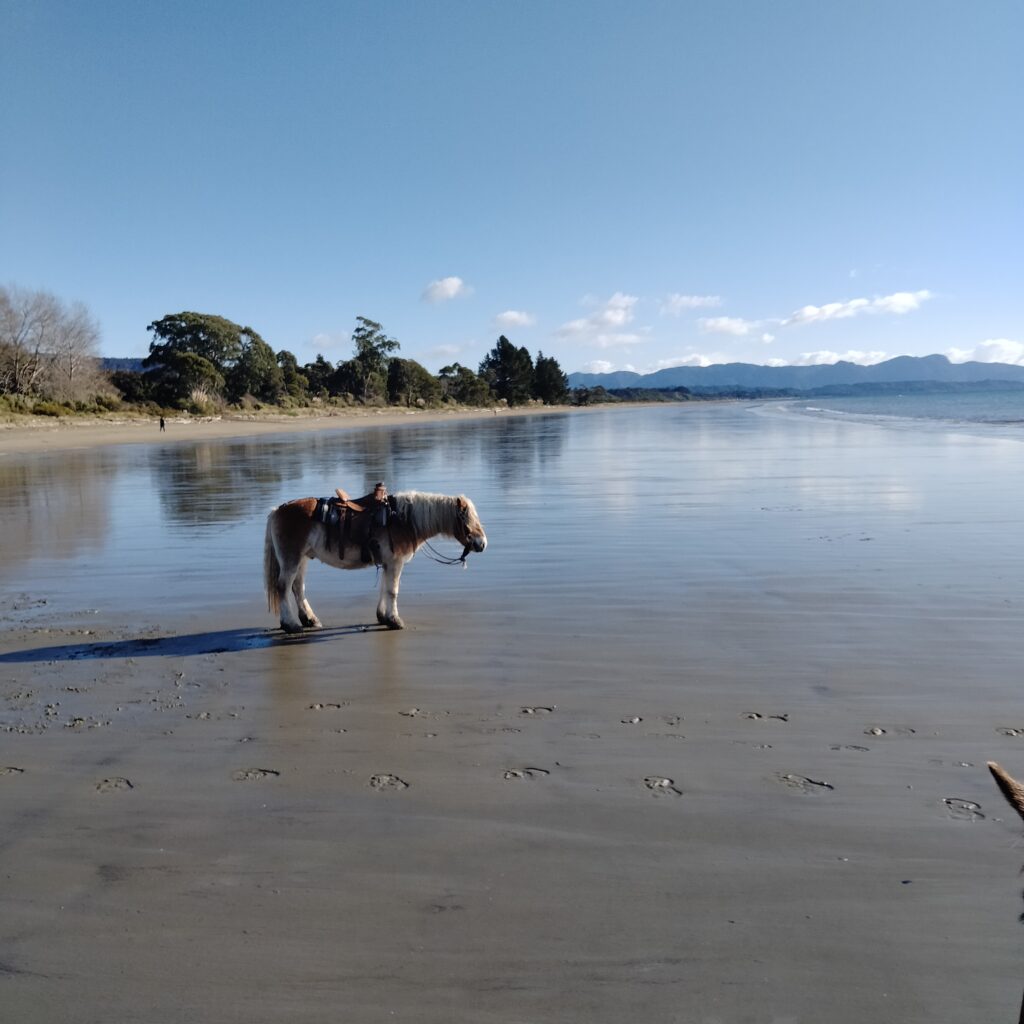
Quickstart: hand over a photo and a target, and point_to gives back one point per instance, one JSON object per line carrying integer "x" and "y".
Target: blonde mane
{"x": 430, "y": 514}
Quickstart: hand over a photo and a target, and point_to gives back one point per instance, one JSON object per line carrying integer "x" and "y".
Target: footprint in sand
{"x": 526, "y": 773}
{"x": 112, "y": 785}
{"x": 849, "y": 746}
{"x": 672, "y": 720}
{"x": 1007, "y": 730}
{"x": 889, "y": 730}
{"x": 11, "y": 770}
{"x": 254, "y": 774}
{"x": 756, "y": 716}
{"x": 660, "y": 786}
{"x": 962, "y": 810}
{"x": 384, "y": 781}
{"x": 411, "y": 712}
{"x": 325, "y": 707}
{"x": 537, "y": 710}
{"x": 803, "y": 783}
{"x": 634, "y": 720}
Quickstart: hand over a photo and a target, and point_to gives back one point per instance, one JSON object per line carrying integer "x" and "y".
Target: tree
{"x": 410, "y": 382}
{"x": 198, "y": 352}
{"x": 550, "y": 385}
{"x": 372, "y": 348}
{"x": 462, "y": 385}
{"x": 296, "y": 384}
{"x": 217, "y": 340}
{"x": 255, "y": 372}
{"x": 73, "y": 371}
{"x": 509, "y": 372}
{"x": 318, "y": 373}
{"x": 27, "y": 322}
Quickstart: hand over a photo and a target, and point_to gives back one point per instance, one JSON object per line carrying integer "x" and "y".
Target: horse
{"x": 381, "y": 530}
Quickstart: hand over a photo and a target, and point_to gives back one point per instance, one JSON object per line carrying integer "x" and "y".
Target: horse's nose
{"x": 479, "y": 543}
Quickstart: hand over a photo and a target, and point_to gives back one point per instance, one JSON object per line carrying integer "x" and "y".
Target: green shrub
{"x": 49, "y": 409}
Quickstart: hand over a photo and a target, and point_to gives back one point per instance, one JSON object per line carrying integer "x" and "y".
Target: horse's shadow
{"x": 221, "y": 641}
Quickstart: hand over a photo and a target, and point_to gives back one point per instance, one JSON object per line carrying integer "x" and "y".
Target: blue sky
{"x": 619, "y": 185}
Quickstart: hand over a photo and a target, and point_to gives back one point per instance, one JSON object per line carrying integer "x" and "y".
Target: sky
{"x": 618, "y": 185}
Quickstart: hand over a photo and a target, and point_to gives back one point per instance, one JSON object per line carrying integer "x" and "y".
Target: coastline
{"x": 74, "y": 433}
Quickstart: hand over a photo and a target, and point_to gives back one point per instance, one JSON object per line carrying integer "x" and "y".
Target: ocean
{"x": 993, "y": 410}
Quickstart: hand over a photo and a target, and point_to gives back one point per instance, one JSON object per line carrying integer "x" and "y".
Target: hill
{"x": 802, "y": 378}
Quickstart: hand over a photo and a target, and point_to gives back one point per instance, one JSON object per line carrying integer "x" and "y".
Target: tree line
{"x": 201, "y": 362}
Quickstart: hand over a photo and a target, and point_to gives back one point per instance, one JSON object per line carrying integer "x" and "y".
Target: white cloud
{"x": 825, "y": 358}
{"x": 444, "y": 289}
{"x": 515, "y": 318}
{"x": 598, "y": 366}
{"x": 693, "y": 359}
{"x": 727, "y": 325}
{"x": 604, "y": 328}
{"x": 767, "y": 338}
{"x": 675, "y": 303}
{"x": 898, "y": 303}
{"x": 994, "y": 350}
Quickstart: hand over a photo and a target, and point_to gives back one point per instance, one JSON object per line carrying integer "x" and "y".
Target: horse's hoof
{"x": 382, "y": 618}
{"x": 289, "y": 628}
{"x": 395, "y": 623}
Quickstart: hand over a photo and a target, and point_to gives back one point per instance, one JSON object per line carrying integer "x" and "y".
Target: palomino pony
{"x": 381, "y": 530}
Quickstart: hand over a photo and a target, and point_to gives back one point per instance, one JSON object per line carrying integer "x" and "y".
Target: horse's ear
{"x": 461, "y": 502}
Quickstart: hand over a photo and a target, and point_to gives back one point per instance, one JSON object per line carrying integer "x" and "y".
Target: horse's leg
{"x": 387, "y": 606}
{"x": 306, "y": 614}
{"x": 289, "y": 572}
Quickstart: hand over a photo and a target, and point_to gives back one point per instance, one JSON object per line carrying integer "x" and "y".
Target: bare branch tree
{"x": 46, "y": 348}
{"x": 27, "y": 320}
{"x": 73, "y": 364}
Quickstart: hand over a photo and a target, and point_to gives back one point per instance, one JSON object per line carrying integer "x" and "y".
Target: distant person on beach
{"x": 163, "y": 426}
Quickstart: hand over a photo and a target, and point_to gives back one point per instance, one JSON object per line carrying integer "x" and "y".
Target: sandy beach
{"x": 748, "y": 789}
{"x": 45, "y": 434}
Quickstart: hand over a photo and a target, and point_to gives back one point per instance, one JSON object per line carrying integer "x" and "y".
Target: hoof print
{"x": 254, "y": 774}
{"x": 803, "y": 783}
{"x": 324, "y": 707}
{"x": 1010, "y": 730}
{"x": 849, "y": 746}
{"x": 11, "y": 770}
{"x": 385, "y": 781}
{"x": 536, "y": 710}
{"x": 112, "y": 785}
{"x": 411, "y": 712}
{"x": 962, "y": 810}
{"x": 662, "y": 787}
{"x": 526, "y": 773}
{"x": 633, "y": 720}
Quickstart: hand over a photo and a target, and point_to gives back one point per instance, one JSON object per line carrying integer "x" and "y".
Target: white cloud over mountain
{"x": 898, "y": 303}
{"x": 604, "y": 328}
{"x": 444, "y": 289}
{"x": 994, "y": 350}
{"x": 734, "y": 325}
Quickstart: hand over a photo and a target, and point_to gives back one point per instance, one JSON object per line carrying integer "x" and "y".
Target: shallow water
{"x": 613, "y": 514}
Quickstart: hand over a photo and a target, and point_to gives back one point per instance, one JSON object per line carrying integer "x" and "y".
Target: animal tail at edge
{"x": 271, "y": 568}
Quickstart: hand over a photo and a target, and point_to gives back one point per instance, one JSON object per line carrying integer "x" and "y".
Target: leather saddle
{"x": 351, "y": 521}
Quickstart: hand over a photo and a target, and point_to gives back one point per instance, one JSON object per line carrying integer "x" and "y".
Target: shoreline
{"x": 76, "y": 434}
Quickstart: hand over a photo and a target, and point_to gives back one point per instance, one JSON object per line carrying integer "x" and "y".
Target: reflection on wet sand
{"x": 54, "y": 507}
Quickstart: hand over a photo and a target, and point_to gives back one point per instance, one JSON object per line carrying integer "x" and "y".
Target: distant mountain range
{"x": 751, "y": 375}
{"x": 112, "y": 364}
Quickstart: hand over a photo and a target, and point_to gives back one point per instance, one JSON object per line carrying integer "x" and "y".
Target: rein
{"x": 435, "y": 556}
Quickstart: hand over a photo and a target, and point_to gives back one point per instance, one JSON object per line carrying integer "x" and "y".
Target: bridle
{"x": 462, "y": 519}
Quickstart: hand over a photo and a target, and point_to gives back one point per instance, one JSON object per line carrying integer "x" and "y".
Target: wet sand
{"x": 765, "y": 801}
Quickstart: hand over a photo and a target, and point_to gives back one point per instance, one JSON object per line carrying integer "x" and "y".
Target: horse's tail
{"x": 271, "y": 567}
